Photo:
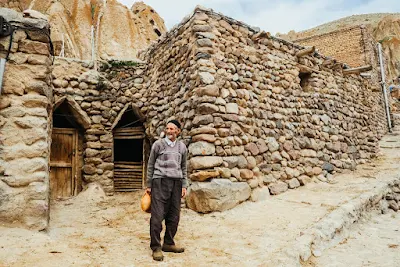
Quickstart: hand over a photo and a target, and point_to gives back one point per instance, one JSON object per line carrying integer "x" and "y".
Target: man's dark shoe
{"x": 172, "y": 248}
{"x": 157, "y": 254}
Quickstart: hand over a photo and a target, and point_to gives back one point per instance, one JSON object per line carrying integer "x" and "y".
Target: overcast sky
{"x": 273, "y": 15}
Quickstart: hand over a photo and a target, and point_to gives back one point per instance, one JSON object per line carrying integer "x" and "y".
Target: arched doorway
{"x": 130, "y": 150}
{"x": 66, "y": 157}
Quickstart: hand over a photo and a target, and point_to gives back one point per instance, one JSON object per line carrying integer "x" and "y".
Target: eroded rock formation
{"x": 388, "y": 33}
{"x": 118, "y": 32}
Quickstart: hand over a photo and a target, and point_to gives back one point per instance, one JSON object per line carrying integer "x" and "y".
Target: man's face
{"x": 172, "y": 131}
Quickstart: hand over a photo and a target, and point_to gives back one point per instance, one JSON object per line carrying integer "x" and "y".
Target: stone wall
{"x": 160, "y": 89}
{"x": 99, "y": 98}
{"x": 260, "y": 122}
{"x": 354, "y": 46}
{"x": 345, "y": 45}
{"x": 173, "y": 74}
{"x": 25, "y": 124}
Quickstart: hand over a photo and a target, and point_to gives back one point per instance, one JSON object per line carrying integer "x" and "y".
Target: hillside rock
{"x": 388, "y": 33}
{"x": 119, "y": 32}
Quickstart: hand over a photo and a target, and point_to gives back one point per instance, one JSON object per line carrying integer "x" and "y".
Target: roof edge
{"x": 200, "y": 9}
{"x": 360, "y": 26}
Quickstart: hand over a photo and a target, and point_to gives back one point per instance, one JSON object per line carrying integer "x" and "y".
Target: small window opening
{"x": 304, "y": 80}
{"x": 157, "y": 32}
{"x": 152, "y": 22}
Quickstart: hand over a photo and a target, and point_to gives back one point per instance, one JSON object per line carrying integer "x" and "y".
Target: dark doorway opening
{"x": 129, "y": 153}
{"x": 63, "y": 118}
{"x": 127, "y": 150}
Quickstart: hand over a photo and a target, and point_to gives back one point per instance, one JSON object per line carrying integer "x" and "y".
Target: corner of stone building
{"x": 215, "y": 115}
{"x": 25, "y": 123}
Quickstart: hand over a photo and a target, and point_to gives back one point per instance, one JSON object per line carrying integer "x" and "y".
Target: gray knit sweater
{"x": 167, "y": 162}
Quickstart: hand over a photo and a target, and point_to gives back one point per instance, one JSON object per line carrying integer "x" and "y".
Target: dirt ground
{"x": 93, "y": 230}
{"x": 114, "y": 232}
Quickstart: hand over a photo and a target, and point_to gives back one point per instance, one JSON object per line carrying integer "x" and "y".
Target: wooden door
{"x": 63, "y": 163}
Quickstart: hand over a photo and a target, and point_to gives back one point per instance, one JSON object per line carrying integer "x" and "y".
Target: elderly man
{"x": 167, "y": 183}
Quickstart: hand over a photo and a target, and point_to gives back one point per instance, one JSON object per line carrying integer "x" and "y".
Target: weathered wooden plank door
{"x": 63, "y": 162}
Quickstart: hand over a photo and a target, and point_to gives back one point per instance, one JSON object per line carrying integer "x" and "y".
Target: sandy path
{"x": 115, "y": 233}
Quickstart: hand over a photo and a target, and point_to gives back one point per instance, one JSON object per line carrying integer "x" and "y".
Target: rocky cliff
{"x": 384, "y": 27}
{"x": 118, "y": 32}
{"x": 387, "y": 31}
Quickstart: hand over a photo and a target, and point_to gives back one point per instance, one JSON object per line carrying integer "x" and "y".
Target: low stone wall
{"x": 392, "y": 199}
{"x": 333, "y": 228}
{"x": 25, "y": 124}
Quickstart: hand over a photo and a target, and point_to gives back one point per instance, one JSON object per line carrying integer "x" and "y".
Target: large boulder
{"x": 217, "y": 195}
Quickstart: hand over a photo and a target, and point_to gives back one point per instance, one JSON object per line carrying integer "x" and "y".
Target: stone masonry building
{"x": 261, "y": 115}
{"x": 353, "y": 45}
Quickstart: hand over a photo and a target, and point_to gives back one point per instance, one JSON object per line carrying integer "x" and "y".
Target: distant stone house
{"x": 260, "y": 116}
{"x": 353, "y": 45}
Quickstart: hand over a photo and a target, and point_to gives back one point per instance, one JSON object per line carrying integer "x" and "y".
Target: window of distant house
{"x": 157, "y": 32}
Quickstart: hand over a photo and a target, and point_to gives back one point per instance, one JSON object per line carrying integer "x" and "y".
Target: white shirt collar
{"x": 169, "y": 142}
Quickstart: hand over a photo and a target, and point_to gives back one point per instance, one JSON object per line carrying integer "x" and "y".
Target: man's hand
{"x": 148, "y": 190}
{"x": 184, "y": 191}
